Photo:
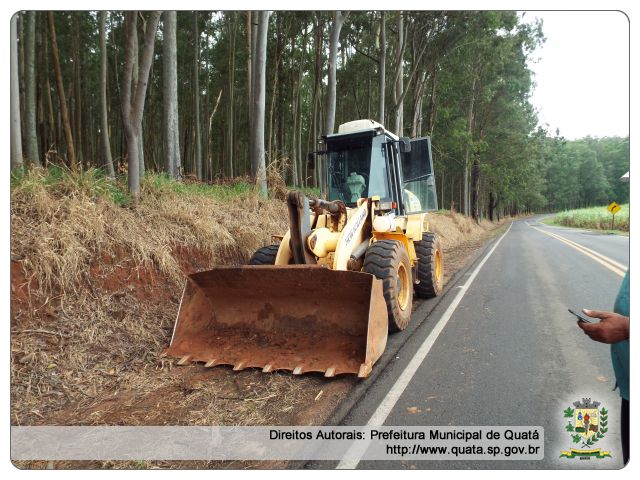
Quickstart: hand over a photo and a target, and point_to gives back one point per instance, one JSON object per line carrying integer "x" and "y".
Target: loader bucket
{"x": 301, "y": 318}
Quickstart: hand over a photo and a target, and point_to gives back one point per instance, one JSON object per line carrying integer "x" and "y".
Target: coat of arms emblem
{"x": 587, "y": 424}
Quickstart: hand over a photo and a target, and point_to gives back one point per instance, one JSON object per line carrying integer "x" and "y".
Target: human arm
{"x": 612, "y": 327}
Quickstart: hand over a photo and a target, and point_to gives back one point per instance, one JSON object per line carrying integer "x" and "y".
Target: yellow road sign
{"x": 613, "y": 208}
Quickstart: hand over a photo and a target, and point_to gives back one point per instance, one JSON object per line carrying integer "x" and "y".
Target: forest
{"x": 226, "y": 96}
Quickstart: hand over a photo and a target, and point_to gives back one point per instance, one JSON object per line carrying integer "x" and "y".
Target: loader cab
{"x": 357, "y": 167}
{"x": 370, "y": 162}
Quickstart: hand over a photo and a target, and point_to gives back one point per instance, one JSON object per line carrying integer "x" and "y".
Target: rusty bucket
{"x": 301, "y": 318}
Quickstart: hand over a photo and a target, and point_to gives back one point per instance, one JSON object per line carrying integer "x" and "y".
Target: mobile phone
{"x": 581, "y": 317}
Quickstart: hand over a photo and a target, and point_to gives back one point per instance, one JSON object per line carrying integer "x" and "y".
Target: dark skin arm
{"x": 612, "y": 327}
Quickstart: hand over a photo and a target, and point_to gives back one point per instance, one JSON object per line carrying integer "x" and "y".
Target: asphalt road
{"x": 510, "y": 353}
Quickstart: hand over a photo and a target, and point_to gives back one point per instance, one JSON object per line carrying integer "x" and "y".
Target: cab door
{"x": 418, "y": 180}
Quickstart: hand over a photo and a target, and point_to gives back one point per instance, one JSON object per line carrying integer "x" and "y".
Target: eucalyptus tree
{"x": 133, "y": 105}
{"x": 31, "y": 139}
{"x": 104, "y": 112}
{"x": 196, "y": 97}
{"x": 170, "y": 95}
{"x": 64, "y": 111}
{"x": 338, "y": 21}
{"x": 16, "y": 134}
{"x": 258, "y": 107}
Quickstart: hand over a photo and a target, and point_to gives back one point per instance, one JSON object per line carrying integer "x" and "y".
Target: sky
{"x": 582, "y": 73}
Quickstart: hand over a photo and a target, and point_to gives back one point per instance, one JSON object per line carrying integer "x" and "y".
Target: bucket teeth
{"x": 297, "y": 370}
{"x": 267, "y": 368}
{"x": 211, "y": 363}
{"x": 184, "y": 360}
{"x": 331, "y": 372}
{"x": 364, "y": 371}
{"x": 239, "y": 365}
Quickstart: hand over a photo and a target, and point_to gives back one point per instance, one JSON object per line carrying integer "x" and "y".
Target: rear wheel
{"x": 430, "y": 271}
{"x": 388, "y": 260}
{"x": 265, "y": 255}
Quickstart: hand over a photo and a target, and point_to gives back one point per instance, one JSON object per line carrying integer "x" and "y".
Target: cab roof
{"x": 357, "y": 126}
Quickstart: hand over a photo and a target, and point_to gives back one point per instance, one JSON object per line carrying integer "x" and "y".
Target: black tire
{"x": 388, "y": 260}
{"x": 430, "y": 266}
{"x": 265, "y": 255}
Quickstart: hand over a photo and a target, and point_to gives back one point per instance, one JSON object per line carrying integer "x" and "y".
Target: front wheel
{"x": 265, "y": 255}
{"x": 388, "y": 260}
{"x": 430, "y": 271}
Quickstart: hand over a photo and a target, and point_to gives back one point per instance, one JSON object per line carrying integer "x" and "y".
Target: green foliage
{"x": 597, "y": 218}
{"x": 599, "y": 435}
{"x": 158, "y": 183}
{"x": 568, "y": 412}
{"x": 470, "y": 91}
{"x": 569, "y": 427}
{"x": 308, "y": 191}
{"x": 92, "y": 183}
{"x": 585, "y": 172}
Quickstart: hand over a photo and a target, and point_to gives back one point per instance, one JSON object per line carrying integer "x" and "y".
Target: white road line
{"x": 354, "y": 454}
{"x": 603, "y": 260}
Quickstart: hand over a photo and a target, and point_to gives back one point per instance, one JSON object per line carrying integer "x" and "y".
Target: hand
{"x": 612, "y": 327}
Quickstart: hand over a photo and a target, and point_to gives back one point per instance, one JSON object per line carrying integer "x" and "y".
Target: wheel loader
{"x": 324, "y": 295}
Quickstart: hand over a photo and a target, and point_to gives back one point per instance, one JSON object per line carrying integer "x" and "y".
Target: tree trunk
{"x": 493, "y": 203}
{"x": 417, "y": 107}
{"x": 432, "y": 103}
{"x": 317, "y": 90}
{"x": 382, "y": 65}
{"x": 76, "y": 93}
{"x": 270, "y": 153}
{"x": 250, "y": 55}
{"x": 71, "y": 153}
{"x": 133, "y": 105}
{"x": 106, "y": 146}
{"x": 231, "y": 109}
{"x": 475, "y": 186}
{"x": 254, "y": 41}
{"x": 258, "y": 159}
{"x": 399, "y": 85}
{"x": 468, "y": 146}
{"x": 301, "y": 176}
{"x": 294, "y": 115}
{"x": 170, "y": 94}
{"x": 330, "y": 118}
{"x": 20, "y": 34}
{"x": 134, "y": 80}
{"x": 31, "y": 138}
{"x": 16, "y": 134}
{"x": 212, "y": 170}
{"x": 196, "y": 97}
{"x": 50, "y": 138}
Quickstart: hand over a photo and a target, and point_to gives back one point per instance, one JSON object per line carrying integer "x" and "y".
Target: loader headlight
{"x": 384, "y": 223}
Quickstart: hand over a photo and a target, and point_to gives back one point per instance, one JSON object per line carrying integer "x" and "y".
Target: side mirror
{"x": 311, "y": 161}
{"x": 405, "y": 145}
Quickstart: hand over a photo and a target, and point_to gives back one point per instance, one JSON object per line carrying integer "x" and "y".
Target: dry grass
{"x": 60, "y": 229}
{"x": 455, "y": 229}
{"x": 96, "y": 285}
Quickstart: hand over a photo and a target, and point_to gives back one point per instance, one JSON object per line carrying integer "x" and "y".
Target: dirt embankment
{"x": 95, "y": 288}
